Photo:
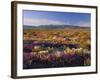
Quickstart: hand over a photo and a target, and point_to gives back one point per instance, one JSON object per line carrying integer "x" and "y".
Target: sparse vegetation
{"x": 44, "y": 48}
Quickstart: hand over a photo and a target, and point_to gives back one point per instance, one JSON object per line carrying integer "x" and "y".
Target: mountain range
{"x": 53, "y": 27}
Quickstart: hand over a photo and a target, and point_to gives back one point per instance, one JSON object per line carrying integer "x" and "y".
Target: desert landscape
{"x": 56, "y": 39}
{"x": 46, "y": 48}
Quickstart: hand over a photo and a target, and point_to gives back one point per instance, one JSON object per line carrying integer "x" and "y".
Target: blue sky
{"x": 55, "y": 18}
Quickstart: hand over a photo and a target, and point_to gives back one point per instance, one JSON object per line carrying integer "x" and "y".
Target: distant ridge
{"x": 53, "y": 27}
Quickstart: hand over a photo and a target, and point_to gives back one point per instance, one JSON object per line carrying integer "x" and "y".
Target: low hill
{"x": 54, "y": 27}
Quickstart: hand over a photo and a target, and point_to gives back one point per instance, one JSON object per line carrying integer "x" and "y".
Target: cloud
{"x": 37, "y": 22}
{"x": 83, "y": 24}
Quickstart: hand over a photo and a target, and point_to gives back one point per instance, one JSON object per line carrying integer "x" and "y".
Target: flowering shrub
{"x": 56, "y": 48}
{"x": 42, "y": 58}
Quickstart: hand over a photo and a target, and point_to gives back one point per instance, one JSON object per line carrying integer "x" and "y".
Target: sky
{"x": 36, "y": 18}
